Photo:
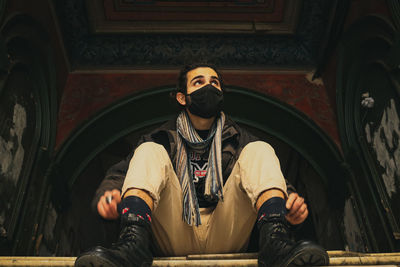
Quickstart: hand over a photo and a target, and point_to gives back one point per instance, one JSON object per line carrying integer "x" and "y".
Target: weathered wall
{"x": 384, "y": 141}
{"x": 357, "y": 10}
{"x": 18, "y": 141}
{"x": 87, "y": 93}
{"x": 365, "y": 68}
{"x": 28, "y": 104}
{"x": 41, "y": 11}
{"x": 12, "y": 154}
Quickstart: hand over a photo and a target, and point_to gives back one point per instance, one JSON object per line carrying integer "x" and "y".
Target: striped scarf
{"x": 187, "y": 136}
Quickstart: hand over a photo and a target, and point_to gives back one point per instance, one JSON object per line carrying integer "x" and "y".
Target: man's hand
{"x": 298, "y": 211}
{"x": 109, "y": 210}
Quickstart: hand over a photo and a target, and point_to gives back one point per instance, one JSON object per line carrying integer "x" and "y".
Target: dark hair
{"x": 182, "y": 80}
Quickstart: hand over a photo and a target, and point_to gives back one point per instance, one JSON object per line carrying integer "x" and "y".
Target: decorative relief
{"x": 12, "y": 154}
{"x": 171, "y": 50}
{"x": 11, "y": 149}
{"x": 189, "y": 10}
{"x": 384, "y": 140}
{"x": 239, "y": 16}
{"x": 17, "y": 140}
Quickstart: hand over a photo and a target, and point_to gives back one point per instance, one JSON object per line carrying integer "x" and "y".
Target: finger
{"x": 109, "y": 208}
{"x": 116, "y": 194}
{"x": 100, "y": 207}
{"x": 300, "y": 213}
{"x": 292, "y": 197}
{"x": 302, "y": 209}
{"x": 103, "y": 200}
{"x": 291, "y": 220}
{"x": 112, "y": 210}
{"x": 107, "y": 211}
{"x": 296, "y": 205}
{"x": 107, "y": 193}
{"x": 300, "y": 218}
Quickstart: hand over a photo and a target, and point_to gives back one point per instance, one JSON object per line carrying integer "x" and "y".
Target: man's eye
{"x": 197, "y": 82}
{"x": 215, "y": 82}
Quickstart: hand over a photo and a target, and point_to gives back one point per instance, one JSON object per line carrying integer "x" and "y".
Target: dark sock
{"x": 137, "y": 206}
{"x": 273, "y": 207}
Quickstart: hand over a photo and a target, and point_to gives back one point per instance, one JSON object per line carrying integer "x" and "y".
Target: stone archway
{"x": 91, "y": 148}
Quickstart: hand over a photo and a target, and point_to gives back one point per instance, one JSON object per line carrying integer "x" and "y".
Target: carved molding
{"x": 121, "y": 16}
{"x": 394, "y": 7}
{"x": 164, "y": 51}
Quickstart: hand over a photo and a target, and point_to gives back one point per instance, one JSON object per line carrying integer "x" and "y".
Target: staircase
{"x": 337, "y": 258}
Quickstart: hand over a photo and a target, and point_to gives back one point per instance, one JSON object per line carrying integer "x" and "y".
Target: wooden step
{"x": 337, "y": 258}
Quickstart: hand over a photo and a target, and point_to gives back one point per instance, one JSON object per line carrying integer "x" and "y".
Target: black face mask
{"x": 206, "y": 102}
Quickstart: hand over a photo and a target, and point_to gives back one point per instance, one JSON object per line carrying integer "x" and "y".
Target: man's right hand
{"x": 109, "y": 210}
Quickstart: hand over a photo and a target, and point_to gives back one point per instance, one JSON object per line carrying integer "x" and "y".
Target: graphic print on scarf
{"x": 188, "y": 137}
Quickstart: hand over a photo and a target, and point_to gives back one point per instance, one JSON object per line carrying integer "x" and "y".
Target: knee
{"x": 150, "y": 147}
{"x": 257, "y": 148}
{"x": 150, "y": 153}
{"x": 257, "y": 152}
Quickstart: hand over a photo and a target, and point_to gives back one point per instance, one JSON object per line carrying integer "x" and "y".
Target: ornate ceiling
{"x": 234, "y": 34}
{"x": 232, "y": 16}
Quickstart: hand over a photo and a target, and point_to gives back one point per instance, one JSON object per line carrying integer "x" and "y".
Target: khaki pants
{"x": 225, "y": 229}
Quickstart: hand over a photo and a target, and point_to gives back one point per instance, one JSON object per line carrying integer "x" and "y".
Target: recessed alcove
{"x": 107, "y": 139}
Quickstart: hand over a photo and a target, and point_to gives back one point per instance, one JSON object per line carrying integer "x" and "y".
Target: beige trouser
{"x": 225, "y": 229}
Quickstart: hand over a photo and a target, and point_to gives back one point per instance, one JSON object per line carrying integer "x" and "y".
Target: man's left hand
{"x": 298, "y": 211}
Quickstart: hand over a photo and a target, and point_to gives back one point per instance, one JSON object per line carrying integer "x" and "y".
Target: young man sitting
{"x": 199, "y": 184}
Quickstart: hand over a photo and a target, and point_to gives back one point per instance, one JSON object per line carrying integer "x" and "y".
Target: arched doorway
{"x": 309, "y": 159}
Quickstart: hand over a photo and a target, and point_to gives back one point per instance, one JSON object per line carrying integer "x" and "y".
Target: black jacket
{"x": 234, "y": 139}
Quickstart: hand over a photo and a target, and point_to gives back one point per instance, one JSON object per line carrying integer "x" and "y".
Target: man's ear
{"x": 180, "y": 97}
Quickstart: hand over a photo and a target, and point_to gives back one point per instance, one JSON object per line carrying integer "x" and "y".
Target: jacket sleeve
{"x": 115, "y": 176}
{"x": 114, "y": 179}
{"x": 289, "y": 187}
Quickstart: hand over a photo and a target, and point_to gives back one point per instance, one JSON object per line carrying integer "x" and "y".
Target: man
{"x": 199, "y": 184}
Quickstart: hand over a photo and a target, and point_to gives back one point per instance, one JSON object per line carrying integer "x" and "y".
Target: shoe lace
{"x": 280, "y": 236}
{"x": 128, "y": 237}
{"x": 133, "y": 246}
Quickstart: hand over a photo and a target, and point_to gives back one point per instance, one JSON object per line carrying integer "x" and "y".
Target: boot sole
{"x": 308, "y": 256}
{"x": 305, "y": 254}
{"x": 93, "y": 260}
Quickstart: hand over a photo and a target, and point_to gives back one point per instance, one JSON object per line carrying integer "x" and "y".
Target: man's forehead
{"x": 201, "y": 71}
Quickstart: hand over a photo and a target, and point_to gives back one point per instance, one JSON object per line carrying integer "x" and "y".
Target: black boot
{"x": 278, "y": 248}
{"x": 133, "y": 247}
